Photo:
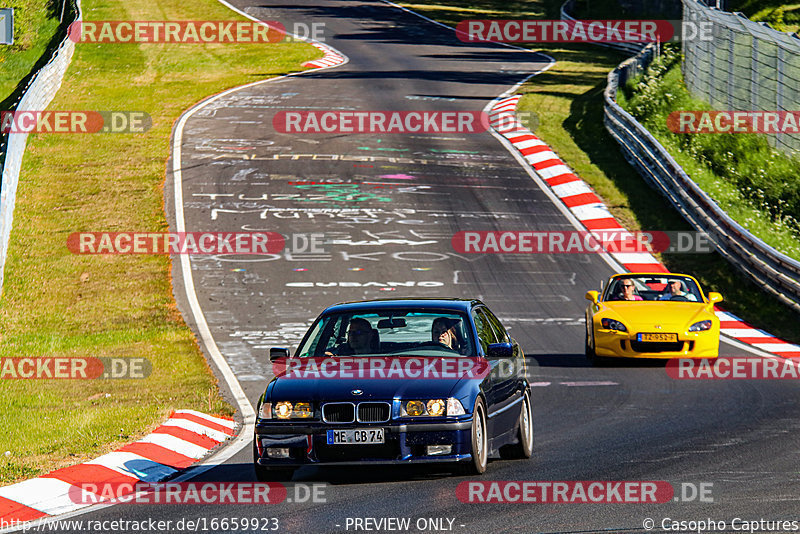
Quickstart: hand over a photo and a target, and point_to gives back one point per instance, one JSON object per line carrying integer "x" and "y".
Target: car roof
{"x": 454, "y": 304}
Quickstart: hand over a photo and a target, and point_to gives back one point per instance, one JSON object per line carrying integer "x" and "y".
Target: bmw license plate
{"x": 356, "y": 436}
{"x": 657, "y": 337}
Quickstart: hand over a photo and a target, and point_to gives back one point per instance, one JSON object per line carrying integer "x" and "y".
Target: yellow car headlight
{"x": 701, "y": 326}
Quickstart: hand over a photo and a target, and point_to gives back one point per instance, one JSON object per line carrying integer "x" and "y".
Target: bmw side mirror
{"x": 500, "y": 350}
{"x": 276, "y": 353}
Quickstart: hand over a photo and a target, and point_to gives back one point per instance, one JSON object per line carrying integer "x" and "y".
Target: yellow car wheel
{"x": 591, "y": 355}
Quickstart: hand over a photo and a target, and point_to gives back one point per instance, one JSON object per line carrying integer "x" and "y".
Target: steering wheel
{"x": 680, "y": 298}
{"x": 436, "y": 344}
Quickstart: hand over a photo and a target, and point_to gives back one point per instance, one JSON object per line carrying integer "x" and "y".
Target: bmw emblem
{"x": 357, "y": 392}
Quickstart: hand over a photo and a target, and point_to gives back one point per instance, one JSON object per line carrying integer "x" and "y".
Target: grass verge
{"x": 57, "y": 304}
{"x": 778, "y": 14}
{"x": 35, "y": 24}
{"x": 568, "y": 99}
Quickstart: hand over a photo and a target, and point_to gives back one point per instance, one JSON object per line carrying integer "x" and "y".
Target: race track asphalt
{"x": 388, "y": 206}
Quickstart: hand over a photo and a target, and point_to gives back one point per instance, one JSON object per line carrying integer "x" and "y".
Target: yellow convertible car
{"x": 651, "y": 315}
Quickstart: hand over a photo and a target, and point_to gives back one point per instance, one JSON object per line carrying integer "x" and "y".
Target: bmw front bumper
{"x": 404, "y": 442}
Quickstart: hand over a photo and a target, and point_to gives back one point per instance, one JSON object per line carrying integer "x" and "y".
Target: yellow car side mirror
{"x": 592, "y": 296}
{"x": 714, "y": 297}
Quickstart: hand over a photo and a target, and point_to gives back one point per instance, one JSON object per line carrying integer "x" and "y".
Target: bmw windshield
{"x": 394, "y": 332}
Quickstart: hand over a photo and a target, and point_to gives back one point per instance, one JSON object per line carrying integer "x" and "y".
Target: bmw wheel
{"x": 480, "y": 441}
{"x": 523, "y": 449}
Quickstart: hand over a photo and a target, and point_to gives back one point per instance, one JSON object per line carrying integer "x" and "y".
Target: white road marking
{"x": 582, "y": 384}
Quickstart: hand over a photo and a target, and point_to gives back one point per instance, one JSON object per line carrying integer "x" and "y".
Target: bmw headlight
{"x": 436, "y": 407}
{"x": 431, "y": 407}
{"x": 612, "y": 324}
{"x": 701, "y": 326}
{"x": 283, "y": 410}
{"x": 286, "y": 410}
{"x": 415, "y": 408}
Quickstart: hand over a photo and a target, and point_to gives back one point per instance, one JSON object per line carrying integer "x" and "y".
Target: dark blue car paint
{"x": 408, "y": 435}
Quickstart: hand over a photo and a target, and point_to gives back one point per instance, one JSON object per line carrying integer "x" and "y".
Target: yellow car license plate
{"x": 657, "y": 337}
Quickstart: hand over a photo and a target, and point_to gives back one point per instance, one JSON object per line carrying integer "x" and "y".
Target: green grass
{"x": 568, "y": 99}
{"x": 55, "y": 303}
{"x": 759, "y": 187}
{"x": 612, "y": 10}
{"x": 781, "y": 16}
{"x": 35, "y": 25}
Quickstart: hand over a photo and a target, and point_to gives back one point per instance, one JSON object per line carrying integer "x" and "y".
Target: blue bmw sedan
{"x": 393, "y": 382}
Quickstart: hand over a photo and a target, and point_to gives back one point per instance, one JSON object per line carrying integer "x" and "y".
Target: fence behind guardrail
{"x": 776, "y": 272}
{"x": 746, "y": 66}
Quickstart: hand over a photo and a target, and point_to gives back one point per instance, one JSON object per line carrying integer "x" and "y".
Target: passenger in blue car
{"x": 444, "y": 331}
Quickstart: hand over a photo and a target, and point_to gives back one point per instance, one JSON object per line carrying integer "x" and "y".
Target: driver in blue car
{"x": 361, "y": 339}
{"x": 675, "y": 291}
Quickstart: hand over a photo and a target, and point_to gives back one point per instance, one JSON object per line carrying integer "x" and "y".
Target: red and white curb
{"x": 330, "y": 59}
{"x": 590, "y": 210}
{"x": 183, "y": 439}
{"x": 734, "y": 327}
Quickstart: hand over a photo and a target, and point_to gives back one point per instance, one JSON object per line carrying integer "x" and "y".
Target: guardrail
{"x": 38, "y": 95}
{"x": 630, "y": 48}
{"x": 776, "y": 272}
